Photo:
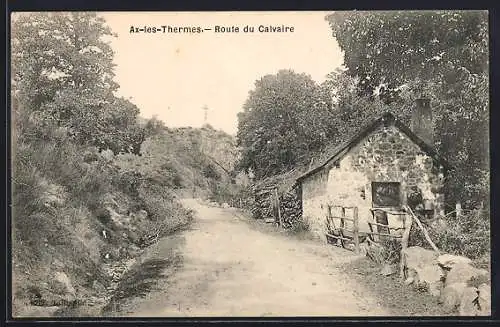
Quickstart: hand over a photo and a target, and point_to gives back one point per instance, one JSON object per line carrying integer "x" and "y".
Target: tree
{"x": 284, "y": 118}
{"x": 62, "y": 70}
{"x": 395, "y": 47}
{"x": 442, "y": 55}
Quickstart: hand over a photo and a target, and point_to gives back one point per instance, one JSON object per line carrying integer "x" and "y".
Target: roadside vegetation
{"x": 93, "y": 184}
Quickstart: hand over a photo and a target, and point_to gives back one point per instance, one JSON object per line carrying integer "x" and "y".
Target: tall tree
{"x": 62, "y": 69}
{"x": 395, "y": 47}
{"x": 284, "y": 118}
{"x": 438, "y": 54}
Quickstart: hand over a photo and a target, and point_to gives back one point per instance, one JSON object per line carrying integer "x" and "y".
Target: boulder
{"x": 463, "y": 273}
{"x": 468, "y": 302}
{"x": 451, "y": 295}
{"x": 447, "y": 261}
{"x": 484, "y": 300}
{"x": 421, "y": 265}
{"x": 416, "y": 256}
{"x": 225, "y": 205}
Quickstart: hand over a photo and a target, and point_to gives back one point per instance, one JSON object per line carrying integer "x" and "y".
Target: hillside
{"x": 194, "y": 161}
{"x": 78, "y": 223}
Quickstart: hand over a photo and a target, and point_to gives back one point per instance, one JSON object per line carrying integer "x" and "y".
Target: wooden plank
{"x": 404, "y": 245}
{"x": 343, "y": 218}
{"x": 338, "y": 237}
{"x": 384, "y": 225}
{"x": 397, "y": 213}
{"x": 342, "y": 207}
{"x": 426, "y": 235}
{"x": 346, "y": 229}
{"x": 384, "y": 234}
{"x": 278, "y": 204}
{"x": 356, "y": 230}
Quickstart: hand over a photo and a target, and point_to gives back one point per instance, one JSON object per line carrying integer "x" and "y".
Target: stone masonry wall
{"x": 386, "y": 155}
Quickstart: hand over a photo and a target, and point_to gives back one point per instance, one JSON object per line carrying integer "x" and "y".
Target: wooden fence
{"x": 379, "y": 230}
{"x": 342, "y": 233}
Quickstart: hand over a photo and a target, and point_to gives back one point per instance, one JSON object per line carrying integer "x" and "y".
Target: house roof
{"x": 386, "y": 119}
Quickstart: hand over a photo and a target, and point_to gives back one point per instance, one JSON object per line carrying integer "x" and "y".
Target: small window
{"x": 386, "y": 194}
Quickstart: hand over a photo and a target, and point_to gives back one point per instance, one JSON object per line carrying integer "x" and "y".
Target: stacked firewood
{"x": 264, "y": 204}
{"x": 290, "y": 208}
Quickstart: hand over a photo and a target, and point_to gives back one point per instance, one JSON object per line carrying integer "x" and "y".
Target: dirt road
{"x": 230, "y": 269}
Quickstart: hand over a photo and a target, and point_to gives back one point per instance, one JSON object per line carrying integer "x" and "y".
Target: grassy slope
{"x": 65, "y": 198}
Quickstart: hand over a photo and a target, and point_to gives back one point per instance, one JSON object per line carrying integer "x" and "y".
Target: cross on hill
{"x": 205, "y": 117}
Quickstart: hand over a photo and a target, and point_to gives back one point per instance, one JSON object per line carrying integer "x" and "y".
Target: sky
{"x": 174, "y": 75}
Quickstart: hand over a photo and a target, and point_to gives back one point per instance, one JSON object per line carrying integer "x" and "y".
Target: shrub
{"x": 209, "y": 171}
{"x": 467, "y": 235}
{"x": 392, "y": 250}
{"x": 299, "y": 226}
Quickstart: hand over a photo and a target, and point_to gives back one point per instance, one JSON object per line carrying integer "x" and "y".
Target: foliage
{"x": 283, "y": 119}
{"x": 64, "y": 114}
{"x": 398, "y": 56}
{"x": 467, "y": 235}
{"x": 394, "y": 47}
{"x": 392, "y": 248}
{"x": 209, "y": 171}
{"x": 62, "y": 70}
{"x": 299, "y": 226}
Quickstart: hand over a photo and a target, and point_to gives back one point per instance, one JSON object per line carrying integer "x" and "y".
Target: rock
{"x": 409, "y": 281}
{"x": 447, "y": 261}
{"x": 416, "y": 256}
{"x": 452, "y": 295}
{"x": 468, "y": 303}
{"x": 421, "y": 265}
{"x": 436, "y": 287}
{"x": 463, "y": 273}
{"x": 225, "y": 205}
{"x": 63, "y": 279}
{"x": 484, "y": 300}
{"x": 387, "y": 270}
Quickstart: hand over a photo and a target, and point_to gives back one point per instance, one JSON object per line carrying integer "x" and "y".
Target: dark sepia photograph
{"x": 250, "y": 164}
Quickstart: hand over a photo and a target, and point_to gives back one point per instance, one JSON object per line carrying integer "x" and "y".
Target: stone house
{"x": 380, "y": 167}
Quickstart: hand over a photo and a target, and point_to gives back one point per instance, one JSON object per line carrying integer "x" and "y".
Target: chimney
{"x": 421, "y": 121}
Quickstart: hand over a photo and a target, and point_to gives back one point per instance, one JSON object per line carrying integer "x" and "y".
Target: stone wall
{"x": 386, "y": 155}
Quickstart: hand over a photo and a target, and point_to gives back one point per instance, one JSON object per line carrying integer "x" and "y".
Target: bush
{"x": 392, "y": 250}
{"x": 209, "y": 171}
{"x": 468, "y": 235}
{"x": 299, "y": 226}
